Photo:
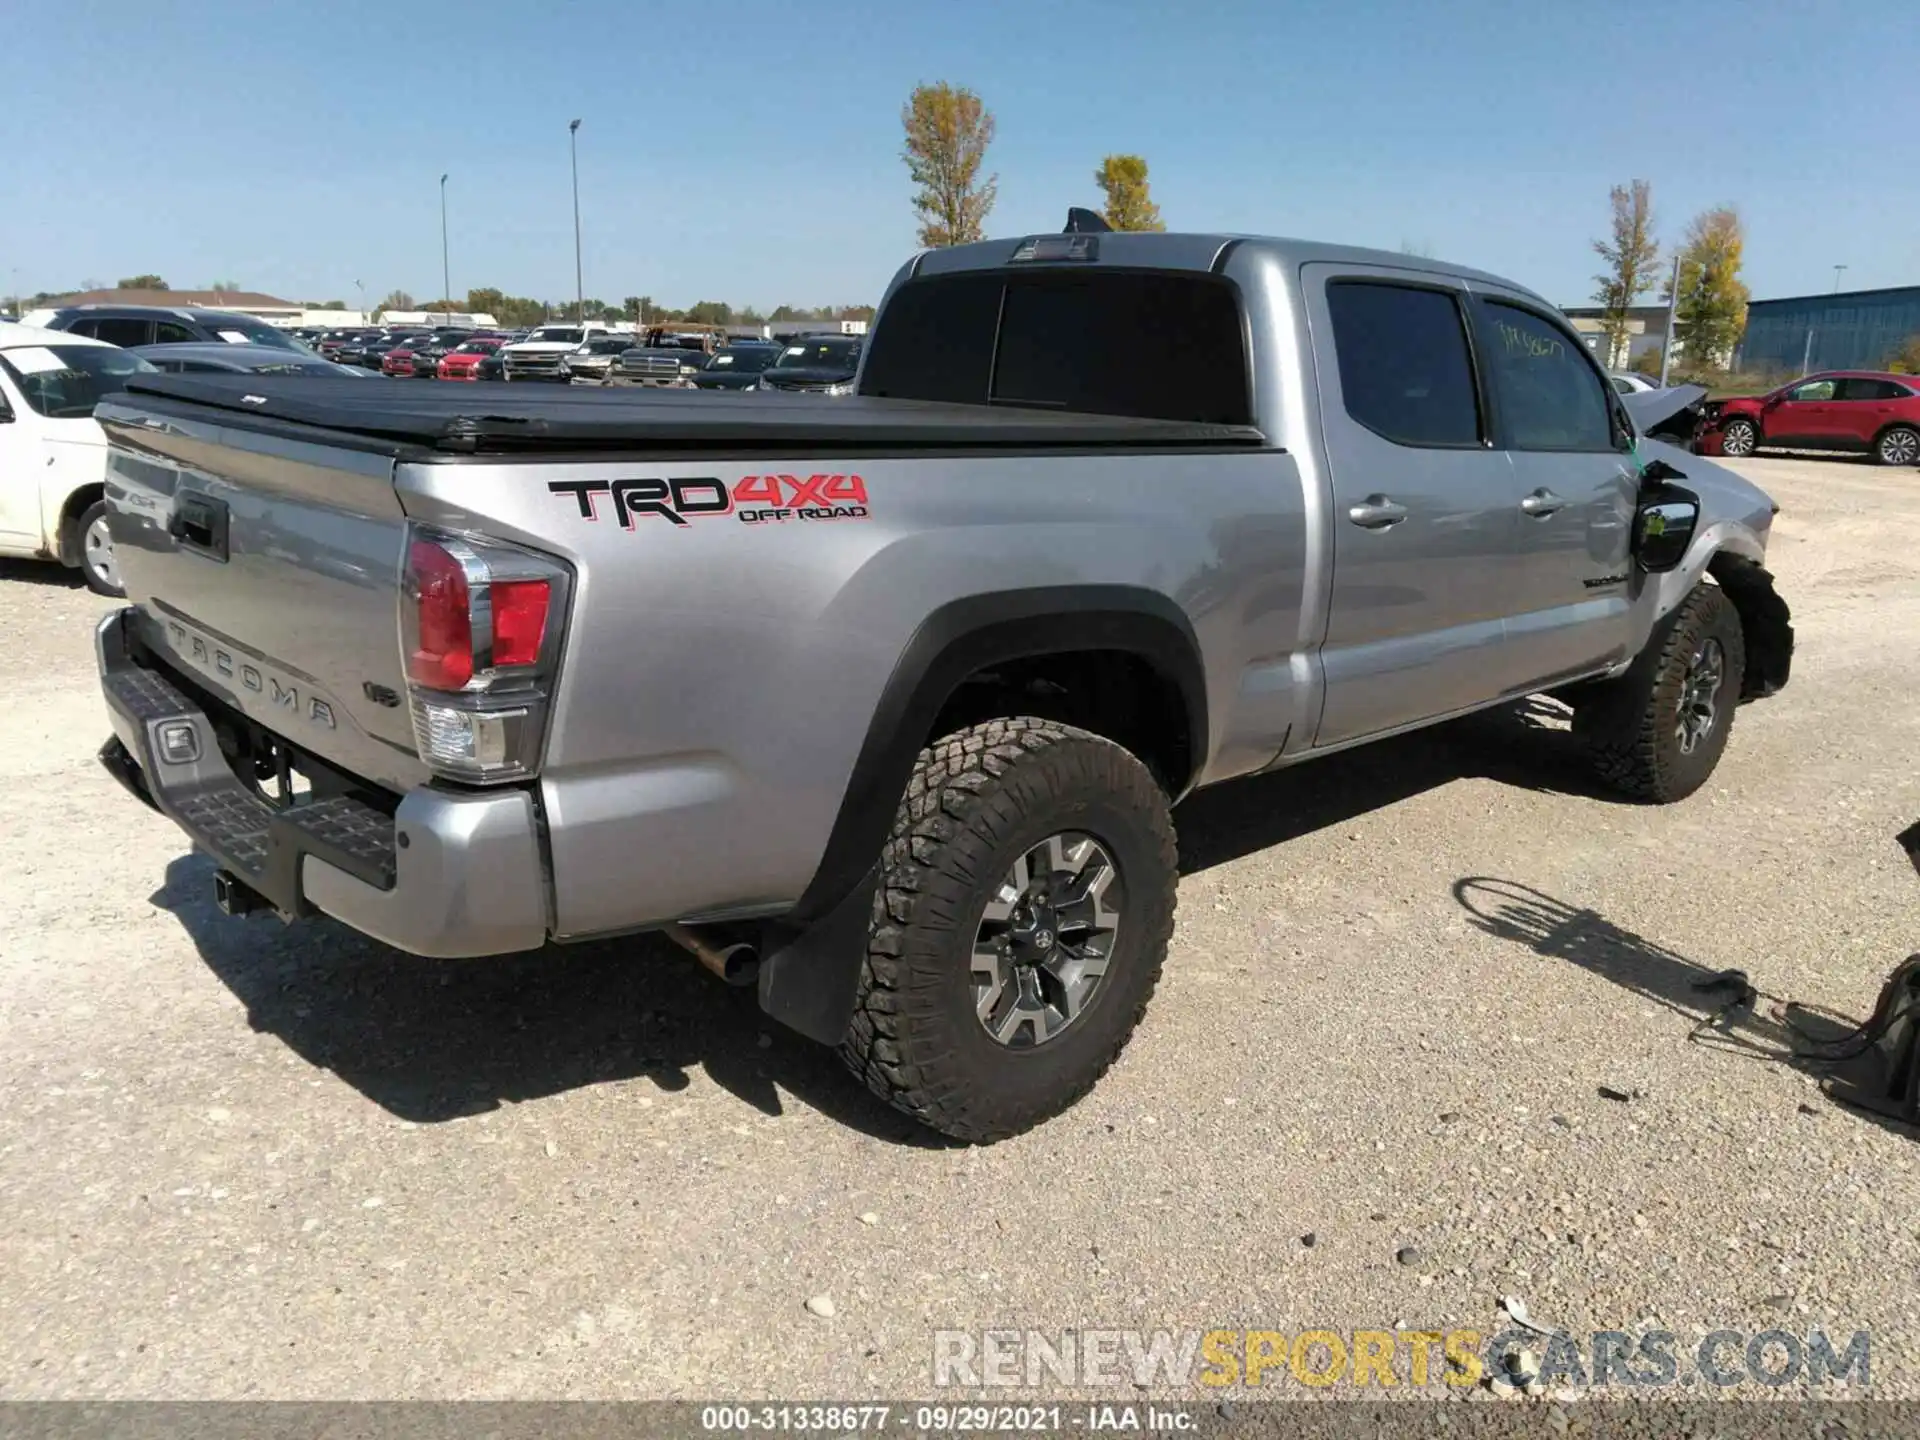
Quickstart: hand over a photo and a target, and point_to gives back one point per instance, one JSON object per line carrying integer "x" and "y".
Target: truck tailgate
{"x": 266, "y": 569}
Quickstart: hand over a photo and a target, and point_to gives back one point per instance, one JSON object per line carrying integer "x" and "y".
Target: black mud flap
{"x": 810, "y": 974}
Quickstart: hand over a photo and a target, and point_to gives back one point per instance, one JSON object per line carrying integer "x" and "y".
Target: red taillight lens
{"x": 442, "y": 658}
{"x": 519, "y": 620}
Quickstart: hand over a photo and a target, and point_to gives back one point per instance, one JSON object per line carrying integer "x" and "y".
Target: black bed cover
{"x": 498, "y": 417}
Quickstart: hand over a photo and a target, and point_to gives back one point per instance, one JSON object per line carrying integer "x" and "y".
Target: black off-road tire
{"x": 978, "y": 799}
{"x": 1631, "y": 725}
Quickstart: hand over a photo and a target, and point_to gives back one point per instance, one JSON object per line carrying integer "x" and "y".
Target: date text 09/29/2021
{"x": 946, "y": 1419}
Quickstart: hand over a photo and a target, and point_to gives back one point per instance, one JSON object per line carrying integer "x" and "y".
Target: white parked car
{"x": 53, "y": 457}
{"x": 1632, "y": 382}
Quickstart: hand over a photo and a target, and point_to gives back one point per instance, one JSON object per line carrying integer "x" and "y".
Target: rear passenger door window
{"x": 116, "y": 331}
{"x": 1548, "y": 393}
{"x": 166, "y": 332}
{"x": 1405, "y": 370}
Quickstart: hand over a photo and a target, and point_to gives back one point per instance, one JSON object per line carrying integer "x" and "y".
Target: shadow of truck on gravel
{"x": 435, "y": 1040}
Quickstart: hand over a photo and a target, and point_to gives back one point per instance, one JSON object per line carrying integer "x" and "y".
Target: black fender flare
{"x": 811, "y": 955}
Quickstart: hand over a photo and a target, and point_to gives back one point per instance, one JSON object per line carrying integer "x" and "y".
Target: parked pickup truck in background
{"x": 887, "y": 701}
{"x": 539, "y": 356}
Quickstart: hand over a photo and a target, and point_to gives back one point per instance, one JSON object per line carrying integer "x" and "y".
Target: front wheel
{"x": 1739, "y": 437}
{"x": 1025, "y": 904}
{"x": 1658, "y": 731}
{"x": 1899, "y": 446}
{"x": 97, "y": 564}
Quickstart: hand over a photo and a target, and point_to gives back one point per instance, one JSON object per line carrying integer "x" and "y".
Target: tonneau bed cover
{"x": 492, "y": 418}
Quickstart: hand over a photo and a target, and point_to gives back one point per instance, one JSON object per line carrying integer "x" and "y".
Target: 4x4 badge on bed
{"x": 754, "y": 499}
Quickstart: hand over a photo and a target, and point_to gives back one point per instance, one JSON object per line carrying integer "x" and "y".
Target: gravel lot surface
{"x": 242, "y": 1160}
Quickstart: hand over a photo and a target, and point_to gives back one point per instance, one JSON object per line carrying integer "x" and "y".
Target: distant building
{"x": 1853, "y": 330}
{"x": 1646, "y": 330}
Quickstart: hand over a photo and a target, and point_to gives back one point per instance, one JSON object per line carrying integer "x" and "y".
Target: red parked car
{"x": 464, "y": 363}
{"x": 1862, "y": 411}
{"x": 399, "y": 360}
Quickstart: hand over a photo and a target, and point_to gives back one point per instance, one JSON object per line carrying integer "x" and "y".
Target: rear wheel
{"x": 1899, "y": 446}
{"x": 1024, "y": 909}
{"x": 95, "y": 548}
{"x": 1739, "y": 437}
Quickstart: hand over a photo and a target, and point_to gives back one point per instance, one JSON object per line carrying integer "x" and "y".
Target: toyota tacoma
{"x": 886, "y": 703}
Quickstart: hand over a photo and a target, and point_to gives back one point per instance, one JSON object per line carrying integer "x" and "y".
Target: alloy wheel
{"x": 1045, "y": 939}
{"x": 1700, "y": 695}
{"x": 1737, "y": 439}
{"x": 1900, "y": 447}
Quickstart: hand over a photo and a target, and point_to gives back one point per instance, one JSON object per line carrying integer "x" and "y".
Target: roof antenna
{"x": 1081, "y": 221}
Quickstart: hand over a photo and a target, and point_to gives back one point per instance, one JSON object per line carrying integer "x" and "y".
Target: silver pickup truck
{"x": 885, "y": 700}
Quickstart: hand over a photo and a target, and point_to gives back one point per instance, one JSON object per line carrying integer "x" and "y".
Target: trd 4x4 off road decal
{"x": 755, "y": 499}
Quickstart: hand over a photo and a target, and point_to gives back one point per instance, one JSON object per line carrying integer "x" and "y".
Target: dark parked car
{"x": 129, "y": 326}
{"x": 738, "y": 367}
{"x": 203, "y": 359}
{"x": 373, "y": 353}
{"x": 822, "y": 364}
{"x": 331, "y": 341}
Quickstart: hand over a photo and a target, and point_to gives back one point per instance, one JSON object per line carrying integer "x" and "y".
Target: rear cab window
{"x": 1163, "y": 345}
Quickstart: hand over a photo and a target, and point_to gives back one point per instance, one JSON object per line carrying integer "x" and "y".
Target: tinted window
{"x": 1859, "y": 389}
{"x": 1165, "y": 347}
{"x": 1814, "y": 390}
{"x": 1104, "y": 343}
{"x": 167, "y": 332}
{"x": 115, "y": 332}
{"x": 1549, "y": 394}
{"x": 935, "y": 341}
{"x": 1405, "y": 372}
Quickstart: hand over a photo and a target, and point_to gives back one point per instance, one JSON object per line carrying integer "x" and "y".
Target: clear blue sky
{"x": 749, "y": 151}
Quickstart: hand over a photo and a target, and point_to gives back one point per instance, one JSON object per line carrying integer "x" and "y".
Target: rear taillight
{"x": 480, "y": 626}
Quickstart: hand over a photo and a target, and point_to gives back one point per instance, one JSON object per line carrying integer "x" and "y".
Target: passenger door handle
{"x": 1542, "y": 503}
{"x": 1376, "y": 512}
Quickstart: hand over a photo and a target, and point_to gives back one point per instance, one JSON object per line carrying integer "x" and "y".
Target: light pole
{"x": 1673, "y": 308}
{"x": 579, "y": 290}
{"x": 446, "y": 285}
{"x": 1806, "y": 355}
{"x": 361, "y": 287}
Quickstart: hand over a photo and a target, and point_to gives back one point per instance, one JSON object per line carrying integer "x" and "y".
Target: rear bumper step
{"x": 447, "y": 874}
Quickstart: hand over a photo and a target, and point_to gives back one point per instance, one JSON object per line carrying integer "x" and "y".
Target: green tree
{"x": 1712, "y": 309}
{"x": 1906, "y": 359}
{"x": 397, "y": 300}
{"x": 948, "y": 131}
{"x": 225, "y": 285}
{"x": 485, "y": 302}
{"x": 1129, "y": 205}
{"x": 637, "y": 307}
{"x": 710, "y": 312}
{"x": 1632, "y": 254}
{"x": 1647, "y": 362}
{"x": 747, "y": 315}
{"x": 143, "y": 282}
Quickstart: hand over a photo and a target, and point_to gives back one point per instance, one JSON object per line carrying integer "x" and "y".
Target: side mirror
{"x": 1663, "y": 526}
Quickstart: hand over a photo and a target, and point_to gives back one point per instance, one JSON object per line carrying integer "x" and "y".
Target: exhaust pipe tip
{"x": 736, "y": 963}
